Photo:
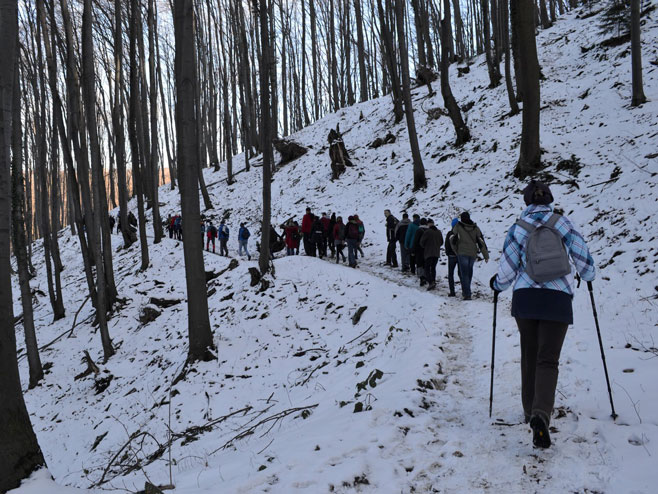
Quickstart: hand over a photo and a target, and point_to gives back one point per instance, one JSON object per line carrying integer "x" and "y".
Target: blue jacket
{"x": 241, "y": 233}
{"x": 411, "y": 233}
{"x": 223, "y": 232}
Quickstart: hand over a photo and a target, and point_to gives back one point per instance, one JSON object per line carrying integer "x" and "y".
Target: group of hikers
{"x": 323, "y": 234}
{"x": 420, "y": 249}
{"x": 536, "y": 260}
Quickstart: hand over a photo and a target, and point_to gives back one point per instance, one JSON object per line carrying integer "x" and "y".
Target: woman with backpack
{"x": 339, "y": 238}
{"x": 535, "y": 260}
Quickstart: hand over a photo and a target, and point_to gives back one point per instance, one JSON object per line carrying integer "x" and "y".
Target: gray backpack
{"x": 546, "y": 256}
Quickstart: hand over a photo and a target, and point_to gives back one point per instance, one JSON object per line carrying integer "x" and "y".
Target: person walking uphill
{"x": 211, "y": 234}
{"x": 307, "y": 225}
{"x": 409, "y": 241}
{"x": 391, "y": 225}
{"x": 400, "y": 235}
{"x": 352, "y": 238}
{"x": 431, "y": 243}
{"x": 452, "y": 259}
{"x": 243, "y": 240}
{"x": 535, "y": 260}
{"x": 467, "y": 241}
{"x": 223, "y": 239}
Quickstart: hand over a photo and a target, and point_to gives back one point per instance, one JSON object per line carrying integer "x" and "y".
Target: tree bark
{"x": 492, "y": 66}
{"x": 153, "y": 100}
{"x": 18, "y": 238}
{"x": 530, "y": 154}
{"x": 199, "y": 332}
{"x": 636, "y": 55}
{"x": 420, "y": 181}
{"x": 514, "y": 106}
{"x": 266, "y": 138}
{"x": 391, "y": 63}
{"x": 103, "y": 290}
{"x": 360, "y": 48}
{"x": 20, "y": 454}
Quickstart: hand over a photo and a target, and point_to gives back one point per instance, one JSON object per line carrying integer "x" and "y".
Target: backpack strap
{"x": 526, "y": 226}
{"x": 552, "y": 220}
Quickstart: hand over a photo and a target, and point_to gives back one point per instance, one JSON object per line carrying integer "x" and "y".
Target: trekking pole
{"x": 598, "y": 331}
{"x": 493, "y": 353}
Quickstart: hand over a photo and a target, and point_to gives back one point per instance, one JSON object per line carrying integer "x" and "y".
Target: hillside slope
{"x": 275, "y": 412}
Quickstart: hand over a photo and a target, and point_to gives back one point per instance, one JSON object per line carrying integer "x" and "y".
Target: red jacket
{"x": 291, "y": 242}
{"x": 325, "y": 224}
{"x": 307, "y": 223}
{"x": 337, "y": 228}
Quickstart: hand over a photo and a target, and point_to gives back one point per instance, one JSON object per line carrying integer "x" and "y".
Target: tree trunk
{"x": 420, "y": 182}
{"x": 266, "y": 138}
{"x": 314, "y": 56}
{"x": 494, "y": 70}
{"x": 129, "y": 236}
{"x": 463, "y": 134}
{"x": 153, "y": 97}
{"x": 103, "y": 298}
{"x": 459, "y": 30}
{"x": 363, "y": 77}
{"x": 200, "y": 334}
{"x": 530, "y": 154}
{"x": 543, "y": 13}
{"x": 514, "y": 106}
{"x": 18, "y": 238}
{"x": 391, "y": 63}
{"x": 636, "y": 55}
{"x": 20, "y": 454}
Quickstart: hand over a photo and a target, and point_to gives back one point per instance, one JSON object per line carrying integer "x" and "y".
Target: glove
{"x": 491, "y": 283}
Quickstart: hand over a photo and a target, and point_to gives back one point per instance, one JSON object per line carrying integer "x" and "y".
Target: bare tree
{"x": 200, "y": 334}
{"x": 636, "y": 55}
{"x": 530, "y": 154}
{"x": 20, "y": 454}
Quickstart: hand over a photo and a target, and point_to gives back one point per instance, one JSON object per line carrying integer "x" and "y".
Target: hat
{"x": 537, "y": 193}
{"x": 454, "y": 222}
{"x": 465, "y": 217}
{"x": 423, "y": 221}
{"x": 430, "y": 222}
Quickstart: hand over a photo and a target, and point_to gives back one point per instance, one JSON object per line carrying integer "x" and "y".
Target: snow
{"x": 426, "y": 427}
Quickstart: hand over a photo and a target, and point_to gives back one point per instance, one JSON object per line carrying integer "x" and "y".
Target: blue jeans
{"x": 351, "y": 251}
{"x": 466, "y": 273}
{"x": 452, "y": 264}
{"x": 243, "y": 245}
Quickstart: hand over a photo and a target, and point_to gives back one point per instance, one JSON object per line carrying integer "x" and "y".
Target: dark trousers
{"x": 430, "y": 269}
{"x": 351, "y": 251}
{"x": 339, "y": 252}
{"x": 308, "y": 245}
{"x": 452, "y": 264}
{"x": 209, "y": 241}
{"x": 412, "y": 261}
{"x": 223, "y": 248}
{"x": 466, "y": 273}
{"x": 541, "y": 344}
{"x": 391, "y": 256}
{"x": 331, "y": 245}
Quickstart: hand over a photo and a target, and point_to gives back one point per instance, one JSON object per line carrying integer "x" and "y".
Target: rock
{"x": 149, "y": 313}
{"x": 255, "y": 276}
{"x": 425, "y": 75}
{"x": 164, "y": 302}
{"x": 390, "y": 138}
{"x": 357, "y": 316}
{"x": 152, "y": 489}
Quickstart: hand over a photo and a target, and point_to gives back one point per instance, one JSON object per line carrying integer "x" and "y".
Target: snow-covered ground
{"x": 276, "y": 411}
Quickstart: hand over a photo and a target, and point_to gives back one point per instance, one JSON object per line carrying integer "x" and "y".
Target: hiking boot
{"x": 467, "y": 297}
{"x": 422, "y": 282}
{"x": 540, "y": 436}
{"x": 452, "y": 294}
{"x": 248, "y": 258}
{"x": 431, "y": 286}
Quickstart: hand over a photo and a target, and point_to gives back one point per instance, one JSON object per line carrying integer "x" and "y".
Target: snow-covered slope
{"x": 275, "y": 413}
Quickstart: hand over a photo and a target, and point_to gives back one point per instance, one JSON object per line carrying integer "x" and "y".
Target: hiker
{"x": 243, "y": 239}
{"x": 178, "y": 228}
{"x": 452, "y": 260}
{"x": 170, "y": 225}
{"x": 317, "y": 237}
{"x": 339, "y": 238}
{"x": 409, "y": 240}
{"x": 419, "y": 252}
{"x": 541, "y": 301}
{"x": 352, "y": 239}
{"x": 307, "y": 224}
{"x": 391, "y": 224}
{"x": 400, "y": 234}
{"x": 223, "y": 235}
{"x": 431, "y": 242}
{"x": 203, "y": 231}
{"x": 330, "y": 234}
{"x": 324, "y": 219}
{"x": 276, "y": 243}
{"x": 362, "y": 233}
{"x": 112, "y": 221}
{"x": 467, "y": 242}
{"x": 211, "y": 234}
{"x": 291, "y": 232}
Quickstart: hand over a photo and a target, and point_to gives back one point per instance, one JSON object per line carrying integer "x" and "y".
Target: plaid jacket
{"x": 511, "y": 269}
